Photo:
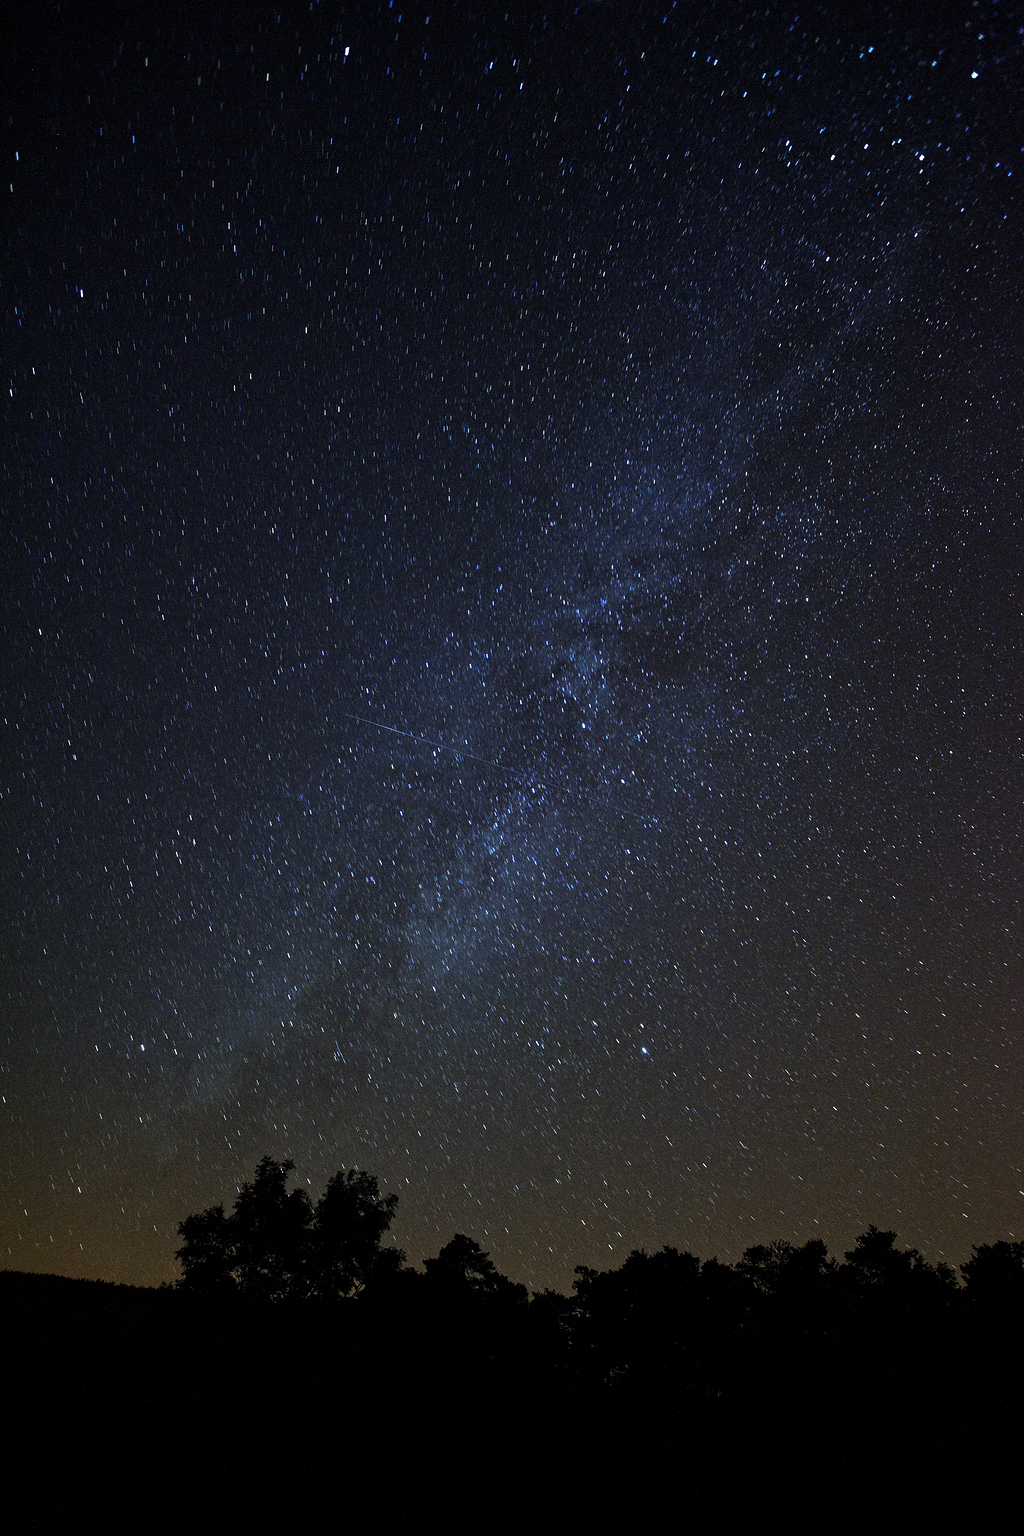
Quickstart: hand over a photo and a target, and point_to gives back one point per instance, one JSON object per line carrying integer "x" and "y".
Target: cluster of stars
{"x": 514, "y": 617}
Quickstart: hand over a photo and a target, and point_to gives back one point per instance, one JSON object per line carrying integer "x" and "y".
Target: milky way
{"x": 514, "y": 599}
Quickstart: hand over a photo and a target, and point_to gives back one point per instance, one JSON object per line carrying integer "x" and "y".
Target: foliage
{"x": 349, "y": 1222}
{"x": 206, "y": 1254}
{"x": 780, "y": 1269}
{"x": 768, "y": 1329}
{"x": 269, "y": 1233}
{"x": 995, "y": 1273}
{"x": 462, "y": 1269}
{"x": 877, "y": 1267}
{"x": 661, "y": 1314}
{"x": 276, "y": 1244}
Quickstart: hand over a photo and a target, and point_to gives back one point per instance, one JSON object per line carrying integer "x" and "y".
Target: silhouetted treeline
{"x": 277, "y": 1245}
{"x": 301, "y": 1365}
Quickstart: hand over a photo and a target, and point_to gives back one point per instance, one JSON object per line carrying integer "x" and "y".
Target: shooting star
{"x": 491, "y": 762}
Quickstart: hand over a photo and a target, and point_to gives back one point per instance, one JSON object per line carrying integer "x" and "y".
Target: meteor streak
{"x": 441, "y": 746}
{"x": 490, "y": 762}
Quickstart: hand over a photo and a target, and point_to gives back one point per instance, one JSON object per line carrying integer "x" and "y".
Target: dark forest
{"x": 300, "y": 1370}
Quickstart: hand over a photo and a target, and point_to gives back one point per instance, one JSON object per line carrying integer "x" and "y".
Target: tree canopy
{"x": 277, "y": 1244}
{"x": 462, "y": 1269}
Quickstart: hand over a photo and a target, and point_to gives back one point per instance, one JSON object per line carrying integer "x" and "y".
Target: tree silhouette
{"x": 349, "y": 1221}
{"x": 995, "y": 1273}
{"x": 780, "y": 1269}
{"x": 269, "y": 1230}
{"x": 659, "y": 1316}
{"x": 876, "y": 1266}
{"x": 276, "y": 1244}
{"x": 462, "y": 1269}
{"x": 206, "y": 1256}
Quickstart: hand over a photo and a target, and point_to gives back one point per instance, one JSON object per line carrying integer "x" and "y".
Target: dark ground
{"x": 145, "y": 1410}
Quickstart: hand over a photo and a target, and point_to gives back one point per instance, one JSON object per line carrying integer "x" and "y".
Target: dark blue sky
{"x": 514, "y": 601}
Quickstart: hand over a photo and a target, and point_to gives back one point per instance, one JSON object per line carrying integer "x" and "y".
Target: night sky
{"x": 513, "y": 597}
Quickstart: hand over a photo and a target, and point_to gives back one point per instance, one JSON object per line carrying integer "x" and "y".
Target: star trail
{"x": 513, "y": 617}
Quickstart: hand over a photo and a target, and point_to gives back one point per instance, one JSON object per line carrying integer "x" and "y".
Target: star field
{"x": 513, "y": 624}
